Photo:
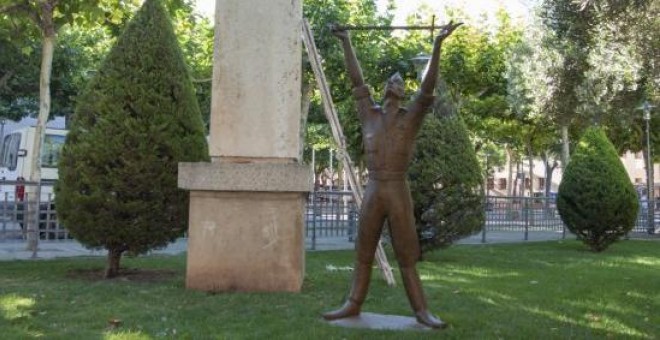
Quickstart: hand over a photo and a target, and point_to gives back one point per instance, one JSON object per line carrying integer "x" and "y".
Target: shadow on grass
{"x": 540, "y": 290}
{"x": 553, "y": 289}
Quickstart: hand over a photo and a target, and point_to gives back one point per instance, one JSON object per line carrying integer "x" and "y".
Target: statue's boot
{"x": 358, "y": 293}
{"x": 417, "y": 300}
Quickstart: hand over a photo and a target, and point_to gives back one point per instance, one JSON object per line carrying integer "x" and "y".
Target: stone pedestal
{"x": 246, "y": 225}
{"x": 247, "y": 205}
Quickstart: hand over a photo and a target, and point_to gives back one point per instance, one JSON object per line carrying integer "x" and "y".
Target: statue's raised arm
{"x": 361, "y": 91}
{"x": 352, "y": 64}
{"x": 428, "y": 84}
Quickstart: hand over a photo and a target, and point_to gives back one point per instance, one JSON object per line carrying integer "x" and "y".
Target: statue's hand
{"x": 448, "y": 29}
{"x": 338, "y": 32}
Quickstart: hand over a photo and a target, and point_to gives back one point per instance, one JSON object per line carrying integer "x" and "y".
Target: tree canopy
{"x": 520, "y": 87}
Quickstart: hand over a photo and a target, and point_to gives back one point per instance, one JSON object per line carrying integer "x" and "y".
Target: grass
{"x": 524, "y": 291}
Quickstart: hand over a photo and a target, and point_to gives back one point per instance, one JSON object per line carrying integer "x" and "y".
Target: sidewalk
{"x": 15, "y": 249}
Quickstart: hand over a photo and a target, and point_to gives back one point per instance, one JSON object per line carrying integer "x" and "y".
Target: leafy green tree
{"x": 195, "y": 36}
{"x": 44, "y": 18}
{"x": 608, "y": 53}
{"x": 137, "y": 119}
{"x": 445, "y": 179}
{"x": 76, "y": 56}
{"x": 596, "y": 199}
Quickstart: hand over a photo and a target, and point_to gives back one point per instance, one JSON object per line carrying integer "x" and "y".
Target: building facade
{"x": 517, "y": 179}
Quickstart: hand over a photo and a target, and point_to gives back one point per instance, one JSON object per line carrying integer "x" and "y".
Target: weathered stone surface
{"x": 273, "y": 177}
{"x": 247, "y": 205}
{"x": 245, "y": 241}
{"x": 256, "y": 79}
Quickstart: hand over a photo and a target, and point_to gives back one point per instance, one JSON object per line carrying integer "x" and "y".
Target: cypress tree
{"x": 136, "y": 120}
{"x": 596, "y": 199}
{"x": 445, "y": 179}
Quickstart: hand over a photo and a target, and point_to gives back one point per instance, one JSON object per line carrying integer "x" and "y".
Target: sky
{"x": 517, "y": 8}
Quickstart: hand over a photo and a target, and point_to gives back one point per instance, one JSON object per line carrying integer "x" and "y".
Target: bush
{"x": 596, "y": 199}
{"x": 136, "y": 120}
{"x": 445, "y": 181}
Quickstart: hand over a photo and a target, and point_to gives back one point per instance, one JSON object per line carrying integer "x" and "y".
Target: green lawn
{"x": 522, "y": 291}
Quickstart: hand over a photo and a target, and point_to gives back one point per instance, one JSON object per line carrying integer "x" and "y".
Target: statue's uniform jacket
{"x": 388, "y": 136}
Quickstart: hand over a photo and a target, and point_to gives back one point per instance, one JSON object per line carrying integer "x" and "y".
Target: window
{"x": 527, "y": 182}
{"x": 638, "y": 180}
{"x": 502, "y": 184}
{"x": 491, "y": 183}
{"x": 10, "y": 151}
{"x": 50, "y": 153}
{"x": 541, "y": 183}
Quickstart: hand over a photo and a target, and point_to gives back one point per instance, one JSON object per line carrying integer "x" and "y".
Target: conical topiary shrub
{"x": 137, "y": 119}
{"x": 445, "y": 179}
{"x": 596, "y": 199}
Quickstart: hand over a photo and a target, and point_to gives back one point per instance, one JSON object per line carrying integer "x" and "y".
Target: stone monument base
{"x": 246, "y": 225}
{"x": 381, "y": 322}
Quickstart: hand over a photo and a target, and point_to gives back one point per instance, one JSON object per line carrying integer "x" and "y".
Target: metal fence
{"x": 18, "y": 212}
{"x": 333, "y": 213}
{"x": 522, "y": 214}
{"x": 642, "y": 222}
{"x": 329, "y": 214}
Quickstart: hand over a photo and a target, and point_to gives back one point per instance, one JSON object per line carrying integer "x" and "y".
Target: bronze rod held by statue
{"x": 381, "y": 28}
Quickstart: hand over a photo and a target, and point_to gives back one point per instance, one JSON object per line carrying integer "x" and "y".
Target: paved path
{"x": 15, "y": 249}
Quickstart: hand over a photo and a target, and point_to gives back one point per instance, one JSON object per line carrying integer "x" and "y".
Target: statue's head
{"x": 395, "y": 88}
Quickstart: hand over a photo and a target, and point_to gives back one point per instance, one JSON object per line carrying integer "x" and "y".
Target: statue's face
{"x": 395, "y": 87}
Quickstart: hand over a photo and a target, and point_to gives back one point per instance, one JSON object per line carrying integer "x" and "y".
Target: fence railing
{"x": 522, "y": 214}
{"x": 19, "y": 213}
{"x": 329, "y": 214}
{"x": 333, "y": 214}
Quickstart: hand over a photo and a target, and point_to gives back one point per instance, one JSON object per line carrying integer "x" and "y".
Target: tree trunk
{"x": 112, "y": 268}
{"x": 530, "y": 155}
{"x": 48, "y": 46}
{"x": 509, "y": 160}
{"x": 549, "y": 170}
{"x": 520, "y": 179}
{"x": 565, "y": 150}
{"x": 530, "y": 163}
{"x": 548, "y": 174}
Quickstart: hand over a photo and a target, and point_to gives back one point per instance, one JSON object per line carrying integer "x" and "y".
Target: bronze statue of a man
{"x": 388, "y": 135}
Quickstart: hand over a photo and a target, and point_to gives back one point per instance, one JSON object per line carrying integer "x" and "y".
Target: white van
{"x": 16, "y": 149}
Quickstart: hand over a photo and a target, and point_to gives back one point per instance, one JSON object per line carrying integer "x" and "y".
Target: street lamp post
{"x": 421, "y": 63}
{"x": 646, "y": 109}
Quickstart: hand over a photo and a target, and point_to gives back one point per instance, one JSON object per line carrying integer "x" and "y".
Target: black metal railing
{"x": 29, "y": 210}
{"x": 329, "y": 214}
{"x": 333, "y": 213}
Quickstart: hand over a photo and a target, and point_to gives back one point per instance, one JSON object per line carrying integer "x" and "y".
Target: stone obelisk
{"x": 247, "y": 204}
